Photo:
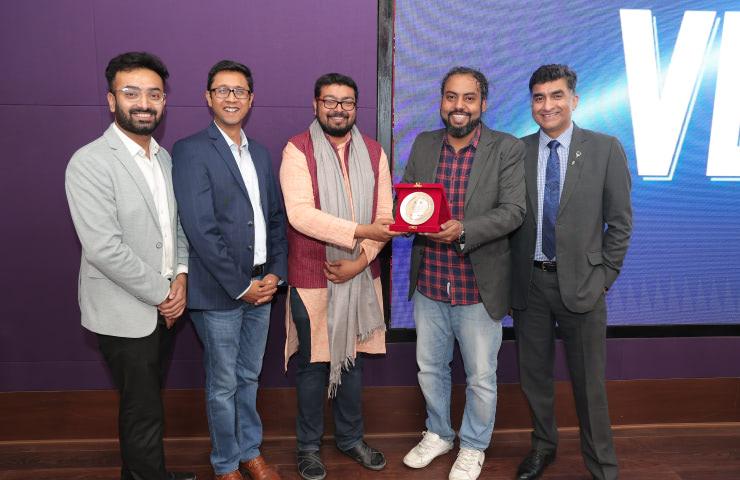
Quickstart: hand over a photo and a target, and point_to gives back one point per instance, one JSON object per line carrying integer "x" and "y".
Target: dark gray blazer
{"x": 494, "y": 206}
{"x": 596, "y": 193}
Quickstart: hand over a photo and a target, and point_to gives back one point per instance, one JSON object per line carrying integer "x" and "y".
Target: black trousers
{"x": 138, "y": 367}
{"x": 584, "y": 339}
{"x": 312, "y": 382}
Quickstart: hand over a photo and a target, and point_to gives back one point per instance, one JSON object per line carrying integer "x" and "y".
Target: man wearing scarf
{"x": 337, "y": 188}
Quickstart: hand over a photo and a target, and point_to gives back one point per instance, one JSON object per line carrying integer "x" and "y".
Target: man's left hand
{"x": 173, "y": 307}
{"x": 450, "y": 232}
{"x": 343, "y": 270}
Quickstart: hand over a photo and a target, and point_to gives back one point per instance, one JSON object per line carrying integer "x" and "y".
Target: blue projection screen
{"x": 663, "y": 77}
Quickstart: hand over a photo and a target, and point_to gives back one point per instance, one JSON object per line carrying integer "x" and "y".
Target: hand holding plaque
{"x": 422, "y": 207}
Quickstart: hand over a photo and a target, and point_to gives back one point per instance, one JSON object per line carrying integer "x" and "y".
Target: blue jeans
{"x": 438, "y": 324}
{"x": 234, "y": 344}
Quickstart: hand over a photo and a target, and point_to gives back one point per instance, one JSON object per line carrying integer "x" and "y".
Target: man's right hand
{"x": 260, "y": 292}
{"x": 377, "y": 230}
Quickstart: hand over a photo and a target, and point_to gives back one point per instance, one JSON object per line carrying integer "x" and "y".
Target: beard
{"x": 336, "y": 131}
{"x": 127, "y": 122}
{"x": 460, "y": 132}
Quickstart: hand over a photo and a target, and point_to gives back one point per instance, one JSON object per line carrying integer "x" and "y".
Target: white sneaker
{"x": 468, "y": 464}
{"x": 430, "y": 447}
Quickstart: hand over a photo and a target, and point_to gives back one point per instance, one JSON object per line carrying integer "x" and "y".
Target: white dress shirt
{"x": 154, "y": 177}
{"x": 249, "y": 174}
{"x": 542, "y": 156}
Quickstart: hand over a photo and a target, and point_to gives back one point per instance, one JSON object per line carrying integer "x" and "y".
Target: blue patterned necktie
{"x": 551, "y": 200}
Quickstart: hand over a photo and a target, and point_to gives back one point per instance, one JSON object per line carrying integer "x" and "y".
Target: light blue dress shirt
{"x": 543, "y": 152}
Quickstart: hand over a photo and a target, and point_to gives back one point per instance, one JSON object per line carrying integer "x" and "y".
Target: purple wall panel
{"x": 48, "y": 53}
{"x": 679, "y": 357}
{"x": 54, "y": 53}
{"x": 39, "y": 277}
{"x": 52, "y": 101}
{"x": 287, "y": 44}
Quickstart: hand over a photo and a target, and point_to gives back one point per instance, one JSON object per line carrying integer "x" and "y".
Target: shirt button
{"x": 159, "y": 244}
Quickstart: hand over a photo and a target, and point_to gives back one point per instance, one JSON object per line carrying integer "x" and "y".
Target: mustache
{"x": 142, "y": 110}
{"x": 457, "y": 112}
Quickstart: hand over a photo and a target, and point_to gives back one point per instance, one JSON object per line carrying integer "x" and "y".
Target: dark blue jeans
{"x": 312, "y": 382}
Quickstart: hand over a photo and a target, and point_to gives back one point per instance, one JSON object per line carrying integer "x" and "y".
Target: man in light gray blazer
{"x": 133, "y": 271}
{"x": 460, "y": 277}
{"x": 566, "y": 255}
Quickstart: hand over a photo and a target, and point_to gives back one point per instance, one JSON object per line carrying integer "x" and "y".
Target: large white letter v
{"x": 659, "y": 118}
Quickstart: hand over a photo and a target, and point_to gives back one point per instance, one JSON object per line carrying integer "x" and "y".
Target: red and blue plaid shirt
{"x": 446, "y": 275}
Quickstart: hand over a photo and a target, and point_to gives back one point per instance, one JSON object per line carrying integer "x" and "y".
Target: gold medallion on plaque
{"x": 417, "y": 208}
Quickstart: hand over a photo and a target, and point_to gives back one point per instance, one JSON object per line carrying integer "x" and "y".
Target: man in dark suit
{"x": 460, "y": 276}
{"x": 564, "y": 261}
{"x": 232, "y": 213}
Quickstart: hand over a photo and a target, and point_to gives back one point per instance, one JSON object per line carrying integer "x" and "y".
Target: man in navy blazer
{"x": 232, "y": 211}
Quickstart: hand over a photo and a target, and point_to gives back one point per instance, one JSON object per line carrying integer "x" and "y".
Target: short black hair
{"x": 479, "y": 77}
{"x": 334, "y": 79}
{"x": 552, "y": 72}
{"x": 128, "y": 61}
{"x": 230, "y": 66}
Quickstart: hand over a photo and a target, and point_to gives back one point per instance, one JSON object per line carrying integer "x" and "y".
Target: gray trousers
{"x": 584, "y": 339}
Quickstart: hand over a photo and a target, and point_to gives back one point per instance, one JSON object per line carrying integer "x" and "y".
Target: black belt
{"x": 258, "y": 270}
{"x": 546, "y": 266}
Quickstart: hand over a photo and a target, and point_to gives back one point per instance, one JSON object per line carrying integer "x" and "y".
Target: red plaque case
{"x": 439, "y": 216}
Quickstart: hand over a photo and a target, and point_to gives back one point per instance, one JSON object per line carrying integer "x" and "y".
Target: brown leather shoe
{"x": 235, "y": 475}
{"x": 258, "y": 469}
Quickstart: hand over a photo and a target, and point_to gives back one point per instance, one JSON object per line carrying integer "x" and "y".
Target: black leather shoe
{"x": 534, "y": 464}
{"x": 181, "y": 476}
{"x": 366, "y": 455}
{"x": 310, "y": 466}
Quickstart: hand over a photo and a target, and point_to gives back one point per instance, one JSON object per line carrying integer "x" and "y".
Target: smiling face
{"x": 140, "y": 116}
{"x": 336, "y": 122}
{"x": 552, "y": 106}
{"x": 461, "y": 106}
{"x": 229, "y": 112}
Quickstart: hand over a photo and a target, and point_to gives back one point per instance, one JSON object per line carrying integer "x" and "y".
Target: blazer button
{"x": 159, "y": 244}
{"x": 250, "y": 223}
{"x": 249, "y": 248}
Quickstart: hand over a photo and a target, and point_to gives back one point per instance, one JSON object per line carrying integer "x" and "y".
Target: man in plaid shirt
{"x": 460, "y": 277}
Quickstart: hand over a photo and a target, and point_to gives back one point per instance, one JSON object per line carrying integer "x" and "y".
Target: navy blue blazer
{"x": 218, "y": 218}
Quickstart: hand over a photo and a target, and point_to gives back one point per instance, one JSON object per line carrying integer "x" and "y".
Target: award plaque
{"x": 421, "y": 207}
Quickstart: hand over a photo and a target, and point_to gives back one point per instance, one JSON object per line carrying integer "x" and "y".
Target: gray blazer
{"x": 114, "y": 215}
{"x": 494, "y": 206}
{"x": 596, "y": 193}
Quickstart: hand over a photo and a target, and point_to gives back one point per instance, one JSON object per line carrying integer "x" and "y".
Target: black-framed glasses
{"x": 331, "y": 104}
{"x": 224, "y": 92}
{"x": 133, "y": 94}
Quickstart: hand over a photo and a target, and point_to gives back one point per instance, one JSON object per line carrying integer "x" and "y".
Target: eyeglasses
{"x": 331, "y": 104}
{"x": 223, "y": 92}
{"x": 133, "y": 94}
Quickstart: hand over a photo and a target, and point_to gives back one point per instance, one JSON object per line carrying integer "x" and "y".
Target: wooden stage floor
{"x": 655, "y": 452}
